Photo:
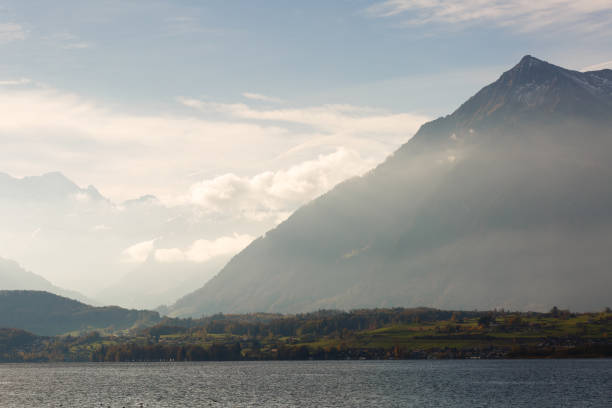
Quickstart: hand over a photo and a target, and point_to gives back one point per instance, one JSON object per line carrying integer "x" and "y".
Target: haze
{"x": 146, "y": 143}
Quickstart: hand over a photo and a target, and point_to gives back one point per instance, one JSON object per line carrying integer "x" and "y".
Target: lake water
{"x": 458, "y": 383}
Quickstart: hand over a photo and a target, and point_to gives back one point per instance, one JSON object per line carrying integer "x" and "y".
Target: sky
{"x": 151, "y": 97}
{"x": 255, "y": 106}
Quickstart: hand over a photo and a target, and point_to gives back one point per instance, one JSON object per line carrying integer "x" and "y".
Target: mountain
{"x": 504, "y": 203}
{"x": 152, "y": 283}
{"x": 47, "y": 314}
{"x": 50, "y": 186}
{"x": 13, "y": 276}
{"x": 79, "y": 239}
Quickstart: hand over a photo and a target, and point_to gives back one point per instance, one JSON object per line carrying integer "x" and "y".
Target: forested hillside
{"x": 47, "y": 314}
{"x": 359, "y": 334}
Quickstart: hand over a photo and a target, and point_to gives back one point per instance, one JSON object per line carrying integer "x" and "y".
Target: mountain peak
{"x": 55, "y": 174}
{"x": 534, "y": 88}
{"x": 48, "y": 186}
{"x": 57, "y": 178}
{"x": 461, "y": 216}
{"x": 529, "y": 61}
{"x": 531, "y": 70}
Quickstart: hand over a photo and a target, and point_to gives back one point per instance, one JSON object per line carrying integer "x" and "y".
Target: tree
{"x": 554, "y": 311}
{"x": 486, "y": 320}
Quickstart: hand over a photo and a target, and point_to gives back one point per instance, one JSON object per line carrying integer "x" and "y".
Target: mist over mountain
{"x": 14, "y": 277}
{"x": 153, "y": 284}
{"x": 48, "y": 187}
{"x": 504, "y": 203}
{"x": 138, "y": 253}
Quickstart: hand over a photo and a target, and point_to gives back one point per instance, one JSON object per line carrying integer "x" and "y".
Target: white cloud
{"x": 168, "y": 255}
{"x": 10, "y": 32}
{"x": 260, "y": 97}
{"x": 100, "y": 146}
{"x": 203, "y": 250}
{"x": 67, "y": 41}
{"x": 82, "y": 197}
{"x": 15, "y": 82}
{"x": 274, "y": 194}
{"x": 597, "y": 67}
{"x": 138, "y": 253}
{"x": 339, "y": 119}
{"x": 94, "y": 144}
{"x": 521, "y": 15}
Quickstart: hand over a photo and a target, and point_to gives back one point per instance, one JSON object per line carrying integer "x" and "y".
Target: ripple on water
{"x": 480, "y": 383}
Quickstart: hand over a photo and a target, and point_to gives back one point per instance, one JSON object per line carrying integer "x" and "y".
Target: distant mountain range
{"x": 505, "y": 203}
{"x": 14, "y": 277}
{"x": 43, "y": 313}
{"x": 76, "y": 238}
{"x": 153, "y": 284}
{"x": 49, "y": 186}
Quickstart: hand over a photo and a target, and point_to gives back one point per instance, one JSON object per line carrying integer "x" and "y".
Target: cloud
{"x": 35, "y": 232}
{"x": 163, "y": 153}
{"x": 260, "y": 97}
{"x": 186, "y": 26}
{"x": 77, "y": 45}
{"x": 100, "y": 146}
{"x": 520, "y": 15}
{"x": 203, "y": 250}
{"x": 10, "y": 32}
{"x": 15, "y": 82}
{"x": 169, "y": 255}
{"x": 82, "y": 197}
{"x": 138, "y": 253}
{"x": 277, "y": 193}
{"x": 67, "y": 41}
{"x": 340, "y": 119}
{"x": 597, "y": 67}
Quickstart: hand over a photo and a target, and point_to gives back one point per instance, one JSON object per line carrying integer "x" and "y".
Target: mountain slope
{"x": 79, "y": 239}
{"x": 504, "y": 203}
{"x": 153, "y": 284}
{"x": 46, "y": 314}
{"x": 14, "y": 277}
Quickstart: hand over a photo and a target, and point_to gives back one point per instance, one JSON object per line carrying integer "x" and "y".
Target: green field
{"x": 359, "y": 334}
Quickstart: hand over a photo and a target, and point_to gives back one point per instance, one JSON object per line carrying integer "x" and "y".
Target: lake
{"x": 451, "y": 383}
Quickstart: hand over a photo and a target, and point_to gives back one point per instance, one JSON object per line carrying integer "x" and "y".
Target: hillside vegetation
{"x": 47, "y": 314}
{"x": 360, "y": 334}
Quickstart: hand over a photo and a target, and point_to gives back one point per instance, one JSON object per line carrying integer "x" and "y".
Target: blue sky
{"x": 146, "y": 58}
{"x": 147, "y": 52}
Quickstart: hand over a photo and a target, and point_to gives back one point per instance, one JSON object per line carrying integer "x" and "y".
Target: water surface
{"x": 458, "y": 383}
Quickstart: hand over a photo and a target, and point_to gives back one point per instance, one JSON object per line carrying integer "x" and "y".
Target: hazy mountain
{"x": 44, "y": 313}
{"x": 78, "y": 239}
{"x": 153, "y": 284}
{"x": 49, "y": 186}
{"x": 504, "y": 203}
{"x": 14, "y": 277}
